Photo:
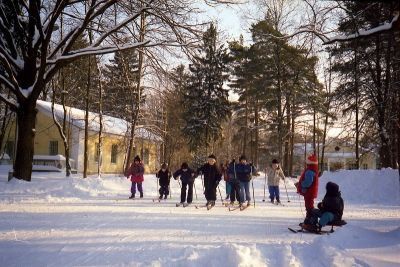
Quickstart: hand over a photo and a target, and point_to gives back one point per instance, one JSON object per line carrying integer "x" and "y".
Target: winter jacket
{"x": 164, "y": 177}
{"x": 186, "y": 176}
{"x": 333, "y": 201}
{"x": 274, "y": 176}
{"x": 212, "y": 175}
{"x": 136, "y": 171}
{"x": 308, "y": 182}
{"x": 243, "y": 172}
{"x": 232, "y": 171}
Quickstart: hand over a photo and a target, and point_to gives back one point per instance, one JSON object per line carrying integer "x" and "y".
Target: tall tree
{"x": 205, "y": 99}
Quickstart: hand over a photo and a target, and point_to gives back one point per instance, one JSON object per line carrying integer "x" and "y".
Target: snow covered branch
{"x": 364, "y": 33}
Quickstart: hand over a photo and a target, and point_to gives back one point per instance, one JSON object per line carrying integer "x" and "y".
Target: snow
{"x": 59, "y": 221}
{"x": 384, "y": 27}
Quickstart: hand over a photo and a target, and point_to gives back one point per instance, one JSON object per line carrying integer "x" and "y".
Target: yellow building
{"x": 49, "y": 147}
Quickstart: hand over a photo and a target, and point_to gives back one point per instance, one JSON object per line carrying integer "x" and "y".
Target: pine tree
{"x": 205, "y": 100}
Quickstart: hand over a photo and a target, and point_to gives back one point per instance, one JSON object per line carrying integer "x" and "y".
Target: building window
{"x": 114, "y": 153}
{"x": 96, "y": 152}
{"x": 10, "y": 149}
{"x": 53, "y": 148}
{"x": 146, "y": 156}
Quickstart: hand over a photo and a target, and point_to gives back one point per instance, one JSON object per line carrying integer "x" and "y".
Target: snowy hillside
{"x": 56, "y": 221}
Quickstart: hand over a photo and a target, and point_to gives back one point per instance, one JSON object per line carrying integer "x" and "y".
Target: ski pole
{"x": 202, "y": 182}
{"x": 157, "y": 185}
{"x": 265, "y": 182}
{"x": 170, "y": 193}
{"x": 222, "y": 201}
{"x": 287, "y": 195}
{"x": 195, "y": 191}
{"x": 254, "y": 200}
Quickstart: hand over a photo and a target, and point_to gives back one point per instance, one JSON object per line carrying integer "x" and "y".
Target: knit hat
{"x": 212, "y": 157}
{"x": 275, "y": 161}
{"x": 242, "y": 157}
{"x": 136, "y": 158}
{"x": 332, "y": 189}
{"x": 184, "y": 165}
{"x": 312, "y": 160}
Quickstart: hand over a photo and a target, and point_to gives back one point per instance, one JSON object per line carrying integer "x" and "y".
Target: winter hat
{"x": 312, "y": 160}
{"x": 164, "y": 166}
{"x": 275, "y": 161}
{"x": 184, "y": 165}
{"x": 332, "y": 189}
{"x": 242, "y": 157}
{"x": 212, "y": 157}
{"x": 136, "y": 158}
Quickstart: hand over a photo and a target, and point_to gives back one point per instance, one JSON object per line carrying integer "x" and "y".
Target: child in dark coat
{"x": 164, "y": 175}
{"x": 330, "y": 210}
{"x": 212, "y": 177}
{"x": 187, "y": 178}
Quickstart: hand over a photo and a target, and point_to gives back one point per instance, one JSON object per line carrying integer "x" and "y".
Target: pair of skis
{"x": 305, "y": 229}
{"x": 182, "y": 205}
{"x": 204, "y": 206}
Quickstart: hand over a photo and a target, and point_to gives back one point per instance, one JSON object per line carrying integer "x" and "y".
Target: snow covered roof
{"x": 111, "y": 125}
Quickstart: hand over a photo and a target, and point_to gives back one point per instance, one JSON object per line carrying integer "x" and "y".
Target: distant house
{"x": 49, "y": 148}
{"x": 337, "y": 155}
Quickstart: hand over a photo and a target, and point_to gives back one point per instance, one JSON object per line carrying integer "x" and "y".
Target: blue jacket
{"x": 243, "y": 172}
{"x": 186, "y": 176}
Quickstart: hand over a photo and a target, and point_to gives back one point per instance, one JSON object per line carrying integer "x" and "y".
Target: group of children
{"x": 237, "y": 177}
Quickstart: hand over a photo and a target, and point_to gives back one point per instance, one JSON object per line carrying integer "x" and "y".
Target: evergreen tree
{"x": 205, "y": 100}
{"x": 121, "y": 82}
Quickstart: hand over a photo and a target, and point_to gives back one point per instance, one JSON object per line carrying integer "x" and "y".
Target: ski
{"x": 186, "y": 204}
{"x": 234, "y": 208}
{"x": 210, "y": 207}
{"x": 243, "y": 207}
{"x": 200, "y": 206}
{"x": 295, "y": 230}
{"x": 179, "y": 204}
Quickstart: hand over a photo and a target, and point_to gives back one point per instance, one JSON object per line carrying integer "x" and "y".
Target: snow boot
{"x": 141, "y": 194}
{"x": 132, "y": 196}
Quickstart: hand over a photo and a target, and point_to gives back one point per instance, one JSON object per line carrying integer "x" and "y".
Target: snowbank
{"x": 364, "y": 186}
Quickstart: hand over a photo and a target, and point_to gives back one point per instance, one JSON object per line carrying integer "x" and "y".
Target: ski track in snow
{"x": 58, "y": 221}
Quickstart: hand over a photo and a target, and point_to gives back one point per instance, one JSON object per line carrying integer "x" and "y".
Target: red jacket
{"x": 311, "y": 191}
{"x": 136, "y": 171}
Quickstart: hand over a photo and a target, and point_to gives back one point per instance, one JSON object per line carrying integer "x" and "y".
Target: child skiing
{"x": 274, "y": 176}
{"x": 135, "y": 172}
{"x": 330, "y": 210}
{"x": 212, "y": 177}
{"x": 187, "y": 177}
{"x": 307, "y": 186}
{"x": 243, "y": 172}
{"x": 164, "y": 175}
{"x": 233, "y": 182}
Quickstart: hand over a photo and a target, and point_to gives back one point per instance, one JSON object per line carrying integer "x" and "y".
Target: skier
{"x": 307, "y": 186}
{"x": 233, "y": 182}
{"x": 164, "y": 175}
{"x": 135, "y": 172}
{"x": 274, "y": 176}
{"x": 212, "y": 177}
{"x": 243, "y": 172}
{"x": 187, "y": 177}
{"x": 330, "y": 210}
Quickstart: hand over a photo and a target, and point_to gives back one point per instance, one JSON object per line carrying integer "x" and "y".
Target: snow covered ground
{"x": 58, "y": 221}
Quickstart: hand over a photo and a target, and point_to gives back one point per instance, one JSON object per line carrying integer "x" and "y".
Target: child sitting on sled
{"x": 330, "y": 210}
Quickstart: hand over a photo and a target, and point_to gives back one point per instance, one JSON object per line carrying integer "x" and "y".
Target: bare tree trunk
{"x": 62, "y": 130}
{"x": 256, "y": 124}
{"x": 136, "y": 102}
{"x": 86, "y": 141}
{"x": 26, "y": 118}
{"x": 356, "y": 89}
{"x": 100, "y": 152}
{"x": 326, "y": 120}
{"x": 246, "y": 124}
